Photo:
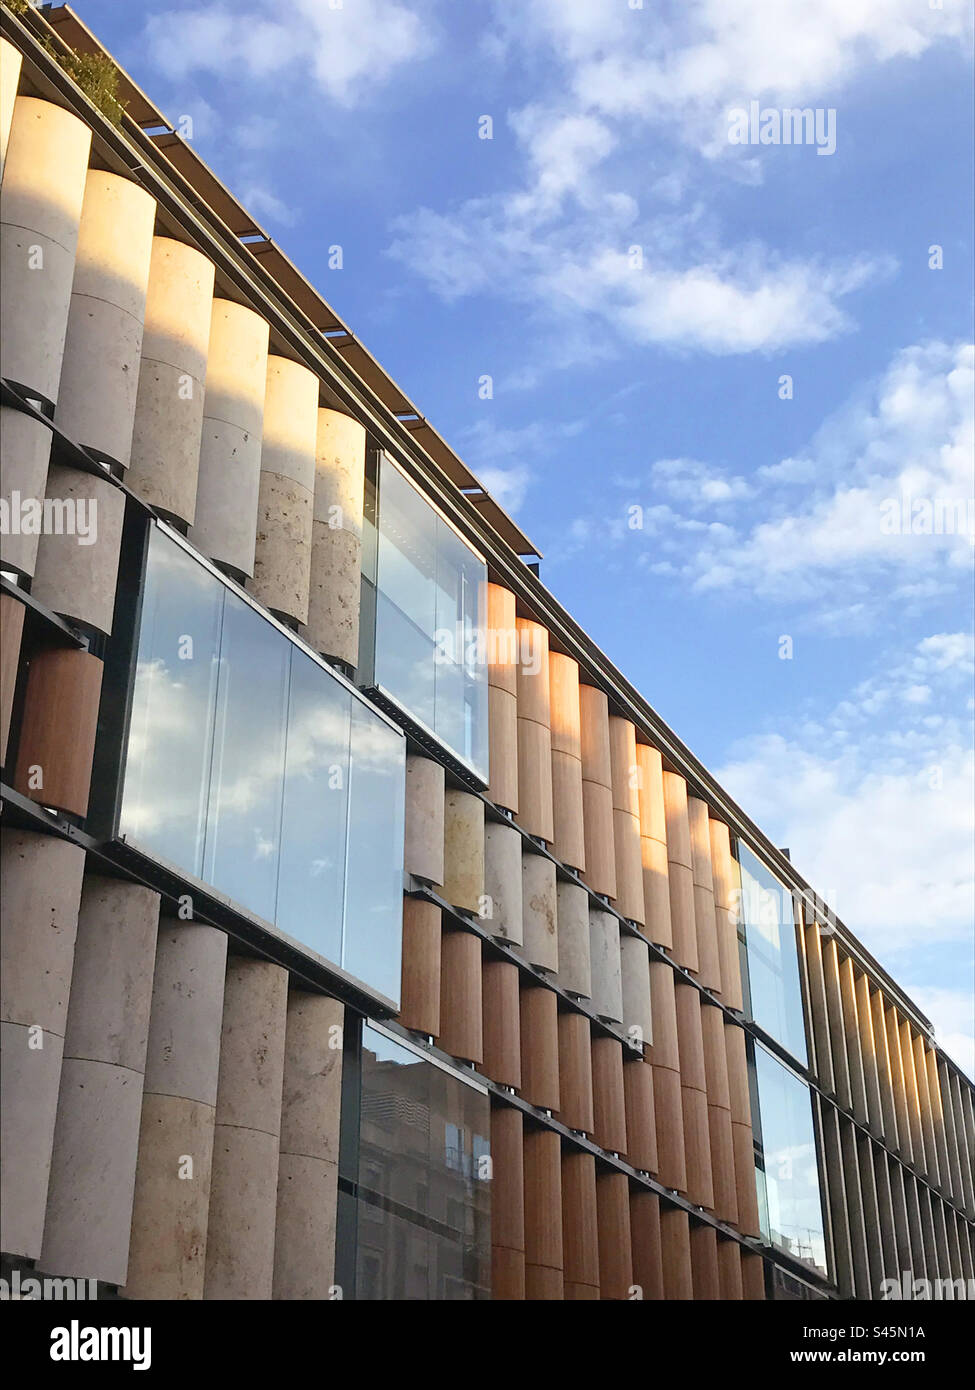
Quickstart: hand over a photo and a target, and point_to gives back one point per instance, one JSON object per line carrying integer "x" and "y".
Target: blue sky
{"x": 650, "y": 381}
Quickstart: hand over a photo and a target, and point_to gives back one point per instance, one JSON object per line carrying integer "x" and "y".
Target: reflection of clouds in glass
{"x": 168, "y": 731}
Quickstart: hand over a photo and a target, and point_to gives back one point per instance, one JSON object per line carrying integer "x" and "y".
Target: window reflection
{"x": 766, "y": 926}
{"x": 787, "y": 1171}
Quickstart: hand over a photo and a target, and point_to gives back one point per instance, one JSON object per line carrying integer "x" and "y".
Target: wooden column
{"x": 539, "y": 1046}
{"x": 502, "y": 1021}
{"x": 680, "y": 872}
{"x": 609, "y": 1101}
{"x": 641, "y": 1131}
{"x": 615, "y": 1250}
{"x": 597, "y": 791}
{"x": 709, "y": 964}
{"x": 502, "y": 637}
{"x": 543, "y": 1215}
{"x": 57, "y": 735}
{"x": 675, "y": 1244}
{"x": 507, "y": 1204}
{"x": 719, "y": 1115}
{"x": 722, "y": 870}
{"x": 420, "y": 979}
{"x": 729, "y": 1271}
{"x": 579, "y": 1226}
{"x": 461, "y": 1032}
{"x": 694, "y": 1099}
{"x": 575, "y": 1072}
{"x": 704, "y": 1262}
{"x": 648, "y": 1270}
{"x": 570, "y": 841}
{"x": 665, "y": 1058}
{"x": 741, "y": 1130}
{"x": 753, "y": 1276}
{"x": 653, "y": 846}
{"x": 535, "y": 810}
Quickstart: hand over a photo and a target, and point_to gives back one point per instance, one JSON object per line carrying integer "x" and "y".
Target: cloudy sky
{"x": 637, "y": 286}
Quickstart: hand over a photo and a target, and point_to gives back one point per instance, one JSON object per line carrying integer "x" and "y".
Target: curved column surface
{"x": 572, "y": 921}
{"x": 725, "y": 919}
{"x": 648, "y": 1270}
{"x": 608, "y": 1095}
{"x": 504, "y": 915}
{"x": 641, "y": 1132}
{"x": 665, "y": 1058}
{"x": 167, "y": 1251}
{"x": 606, "y": 965}
{"x": 507, "y": 1204}
{"x": 96, "y": 1138}
{"x": 635, "y": 974}
{"x": 57, "y": 735}
{"x": 615, "y": 1252}
{"x": 40, "y": 886}
{"x": 285, "y": 508}
{"x": 569, "y": 817}
{"x": 709, "y": 963}
{"x": 626, "y": 820}
{"x": 502, "y": 654}
{"x": 675, "y": 1246}
{"x": 244, "y": 1182}
{"x": 535, "y": 808}
{"x": 575, "y": 1072}
{"x": 11, "y": 632}
{"x": 694, "y": 1100}
{"x": 580, "y": 1227}
{"x": 424, "y": 834}
{"x": 461, "y": 1024}
{"x": 77, "y": 574}
{"x": 43, "y": 190}
{"x": 653, "y": 846}
{"x": 9, "y": 76}
{"x": 304, "y": 1235}
{"x": 729, "y": 1270}
{"x": 539, "y": 1046}
{"x": 420, "y": 980}
{"x": 680, "y": 869}
{"x": 741, "y": 1130}
{"x": 25, "y": 452}
{"x": 165, "y": 459}
{"x": 704, "y": 1262}
{"x": 336, "y": 546}
{"x": 539, "y": 907}
{"x": 103, "y": 344}
{"x": 543, "y": 1215}
{"x": 719, "y": 1115}
{"x": 502, "y": 1021}
{"x": 463, "y": 878}
{"x": 597, "y": 791}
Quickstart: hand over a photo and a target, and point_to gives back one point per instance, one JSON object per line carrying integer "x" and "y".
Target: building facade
{"x": 366, "y": 935}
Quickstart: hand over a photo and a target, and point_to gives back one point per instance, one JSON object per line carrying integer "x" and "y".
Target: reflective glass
{"x": 787, "y": 1172}
{"x": 771, "y": 954}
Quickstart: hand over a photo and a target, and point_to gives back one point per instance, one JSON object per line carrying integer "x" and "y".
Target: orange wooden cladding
{"x": 566, "y": 718}
{"x": 648, "y": 1270}
{"x": 533, "y": 672}
{"x": 507, "y": 1178}
{"x": 600, "y": 851}
{"x": 627, "y": 847}
{"x": 665, "y": 1051}
{"x": 719, "y": 1114}
{"x": 683, "y": 920}
{"x": 543, "y": 1207}
{"x": 11, "y": 629}
{"x": 675, "y": 1245}
{"x": 704, "y": 1262}
{"x": 615, "y": 1254}
{"x": 609, "y": 1103}
{"x": 715, "y": 1056}
{"x": 507, "y": 1274}
{"x": 542, "y": 1284}
{"x": 725, "y": 922}
{"x": 503, "y": 748}
{"x": 461, "y": 1031}
{"x": 535, "y": 807}
{"x": 653, "y": 815}
{"x": 641, "y": 1124}
{"x": 624, "y": 767}
{"x": 697, "y": 1147}
{"x": 753, "y": 1276}
{"x": 747, "y": 1197}
{"x": 709, "y": 961}
{"x": 502, "y": 1021}
{"x": 57, "y": 736}
{"x": 669, "y": 1114}
{"x": 690, "y": 1037}
{"x": 568, "y": 817}
{"x": 575, "y": 1073}
{"x": 738, "y": 1095}
{"x": 729, "y": 1270}
{"x": 539, "y": 1046}
{"x": 653, "y": 845}
{"x": 420, "y": 988}
{"x": 579, "y": 1225}
{"x": 594, "y": 736}
{"x": 678, "y": 826}
{"x": 502, "y": 639}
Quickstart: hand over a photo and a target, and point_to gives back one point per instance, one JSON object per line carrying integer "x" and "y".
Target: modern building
{"x": 366, "y": 934}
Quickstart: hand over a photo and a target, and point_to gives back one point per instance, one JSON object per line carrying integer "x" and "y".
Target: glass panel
{"x": 314, "y": 823}
{"x": 243, "y": 836}
{"x": 408, "y": 554}
{"x": 374, "y": 875}
{"x": 405, "y": 661}
{"x": 787, "y": 1173}
{"x": 771, "y": 953}
{"x": 171, "y": 733}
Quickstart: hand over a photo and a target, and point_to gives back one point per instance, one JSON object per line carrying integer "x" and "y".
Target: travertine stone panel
{"x": 463, "y": 874}
{"x": 420, "y": 975}
{"x": 225, "y": 525}
{"x": 813, "y": 954}
{"x": 836, "y": 1027}
{"x": 244, "y": 1184}
{"x": 25, "y": 451}
{"x": 424, "y": 836}
{"x": 615, "y": 1250}
{"x": 503, "y": 647}
{"x": 539, "y": 907}
{"x": 503, "y": 882}
{"x": 165, "y": 458}
{"x": 609, "y": 1101}
{"x": 722, "y": 870}
{"x": 502, "y": 1021}
{"x": 575, "y": 1072}
{"x": 575, "y": 971}
{"x": 641, "y": 1132}
{"x": 167, "y": 1251}
{"x": 868, "y": 1052}
{"x": 579, "y": 1226}
{"x": 103, "y": 344}
{"x": 704, "y": 1262}
{"x": 729, "y": 1271}
{"x": 626, "y": 820}
{"x": 503, "y": 642}
{"x": 77, "y": 577}
{"x": 606, "y": 964}
{"x": 57, "y": 736}
{"x": 653, "y": 846}
{"x": 709, "y": 962}
{"x": 719, "y": 1115}
{"x": 675, "y": 1243}
{"x": 741, "y": 1130}
{"x": 597, "y": 791}
{"x": 635, "y": 972}
{"x": 543, "y": 1214}
{"x": 540, "y": 1046}
{"x": 507, "y": 1204}
{"x": 336, "y": 552}
{"x": 9, "y": 75}
{"x": 461, "y": 1031}
{"x": 282, "y": 557}
{"x": 904, "y": 1140}
{"x": 11, "y": 631}
{"x": 304, "y": 1241}
{"x": 96, "y": 1138}
{"x": 753, "y": 1276}
{"x": 851, "y": 1031}
{"x": 535, "y": 809}
{"x": 648, "y": 1269}
{"x": 40, "y": 888}
{"x": 922, "y": 1158}
{"x": 697, "y": 1142}
{"x": 681, "y": 872}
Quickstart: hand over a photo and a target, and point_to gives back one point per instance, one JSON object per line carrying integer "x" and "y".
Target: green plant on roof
{"x": 18, "y": 6}
{"x": 97, "y": 76}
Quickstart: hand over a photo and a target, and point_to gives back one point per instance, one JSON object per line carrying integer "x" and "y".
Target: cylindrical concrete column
{"x": 463, "y": 874}
{"x": 57, "y": 735}
{"x": 9, "y": 76}
{"x": 103, "y": 344}
{"x": 746, "y": 1195}
{"x": 535, "y": 808}
{"x": 572, "y": 913}
{"x": 543, "y": 1215}
{"x": 336, "y": 550}
{"x": 502, "y": 1021}
{"x": 424, "y": 834}
{"x": 11, "y": 632}
{"x": 580, "y": 1238}
{"x": 609, "y": 1100}
{"x": 729, "y": 1270}
{"x": 615, "y": 1251}
{"x": 665, "y": 1058}
{"x": 709, "y": 961}
{"x": 502, "y": 654}
{"x": 507, "y": 1204}
{"x": 648, "y": 1270}
{"x": 540, "y": 1046}
{"x": 461, "y": 1028}
{"x": 606, "y": 965}
{"x": 25, "y": 451}
{"x": 225, "y": 524}
{"x": 96, "y": 1138}
{"x": 653, "y": 846}
{"x": 575, "y": 1072}
{"x": 304, "y": 1234}
{"x": 641, "y": 1130}
{"x": 166, "y": 437}
{"x": 635, "y": 971}
{"x": 540, "y": 945}
{"x": 704, "y": 1262}
{"x": 675, "y": 1244}
{"x": 77, "y": 575}
{"x": 503, "y": 882}
{"x": 282, "y": 557}
{"x": 725, "y": 923}
{"x": 719, "y": 1115}
{"x": 40, "y": 886}
{"x": 680, "y": 871}
{"x": 570, "y": 838}
{"x": 597, "y": 791}
{"x": 694, "y": 1100}
{"x": 420, "y": 978}
{"x": 167, "y": 1251}
{"x": 626, "y": 820}
{"x": 244, "y": 1185}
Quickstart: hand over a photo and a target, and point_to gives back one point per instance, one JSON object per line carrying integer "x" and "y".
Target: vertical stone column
{"x": 729, "y": 1271}
{"x": 641, "y": 1132}
{"x": 225, "y": 520}
{"x": 921, "y": 1157}
{"x": 851, "y": 1034}
{"x": 43, "y": 190}
{"x": 597, "y": 791}
{"x": 503, "y": 882}
{"x": 608, "y": 1096}
{"x": 719, "y": 1115}
{"x": 420, "y": 975}
{"x": 905, "y": 1146}
{"x": 665, "y": 1059}
{"x": 868, "y": 1051}
{"x": 635, "y": 971}
{"x": 461, "y": 1026}
{"x": 725, "y": 919}
{"x": 709, "y": 963}
{"x": 615, "y": 1247}
{"x": 543, "y": 1215}
{"x": 694, "y": 1099}
{"x": 9, "y": 77}
{"x": 606, "y": 965}
{"x": 96, "y": 1138}
{"x": 741, "y": 1130}
{"x": 570, "y": 839}
{"x": 507, "y": 1204}
{"x": 463, "y": 874}
{"x": 304, "y": 1233}
{"x": 626, "y": 820}
{"x": 336, "y": 549}
{"x": 57, "y": 735}
{"x": 166, "y": 437}
{"x": 40, "y": 887}
{"x": 502, "y": 1021}
{"x": 539, "y": 1046}
{"x": 167, "y": 1251}
{"x": 653, "y": 847}
{"x": 580, "y": 1226}
{"x": 648, "y": 1269}
{"x": 704, "y": 1262}
{"x": 74, "y": 578}
{"x": 503, "y": 639}
{"x": 540, "y": 942}
{"x": 675, "y": 1241}
{"x": 834, "y": 1013}
{"x": 282, "y": 557}
{"x": 752, "y": 1276}
{"x": 680, "y": 872}
{"x": 535, "y": 808}
{"x": 11, "y": 632}
{"x": 927, "y": 1114}
{"x": 244, "y": 1185}
{"x": 424, "y": 832}
{"x": 572, "y": 914}
{"x": 575, "y": 1073}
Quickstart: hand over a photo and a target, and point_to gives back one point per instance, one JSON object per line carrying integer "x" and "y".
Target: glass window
{"x": 786, "y": 1166}
{"x": 770, "y": 958}
{"x": 431, "y": 615}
